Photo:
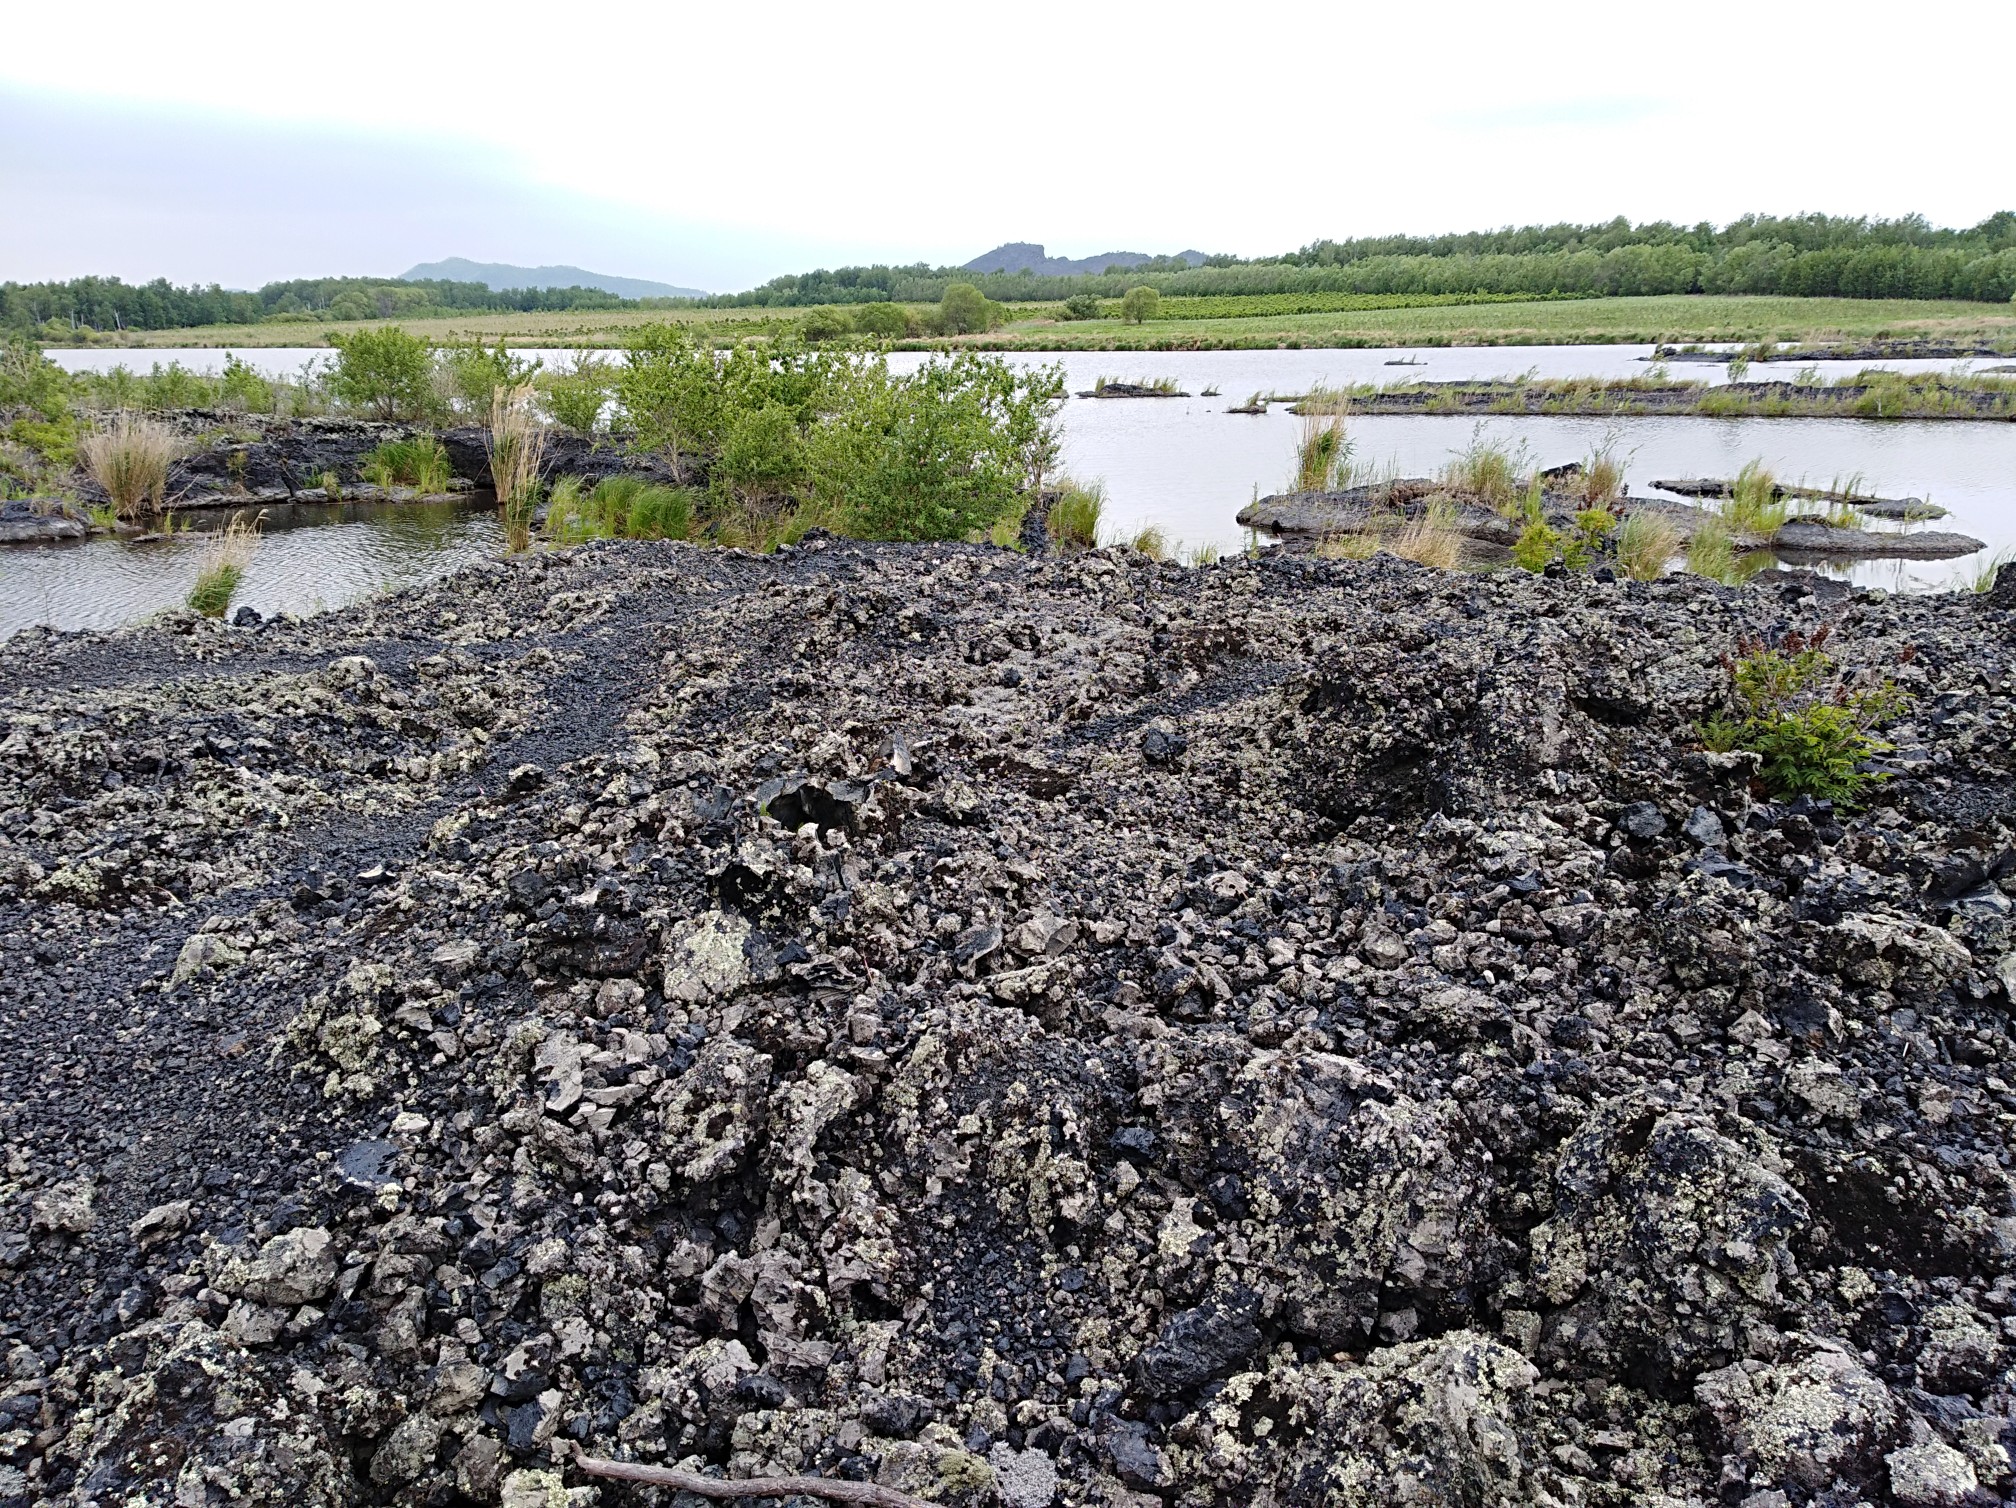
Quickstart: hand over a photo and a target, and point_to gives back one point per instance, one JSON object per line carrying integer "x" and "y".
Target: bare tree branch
{"x": 749, "y": 1487}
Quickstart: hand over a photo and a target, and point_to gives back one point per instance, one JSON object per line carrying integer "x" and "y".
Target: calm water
{"x": 312, "y": 556}
{"x": 1183, "y": 464}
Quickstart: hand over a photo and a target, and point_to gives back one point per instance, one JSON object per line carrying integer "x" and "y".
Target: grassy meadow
{"x": 1219, "y": 323}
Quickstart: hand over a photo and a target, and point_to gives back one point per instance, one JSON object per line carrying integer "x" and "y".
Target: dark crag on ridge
{"x": 1014, "y": 1029}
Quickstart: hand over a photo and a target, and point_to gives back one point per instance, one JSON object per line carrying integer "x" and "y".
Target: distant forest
{"x": 1811, "y": 255}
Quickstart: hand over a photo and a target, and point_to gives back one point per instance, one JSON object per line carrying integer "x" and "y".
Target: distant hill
{"x": 501, "y": 275}
{"x": 1027, "y": 256}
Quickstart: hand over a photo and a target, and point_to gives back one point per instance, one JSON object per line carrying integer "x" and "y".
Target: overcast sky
{"x": 718, "y": 146}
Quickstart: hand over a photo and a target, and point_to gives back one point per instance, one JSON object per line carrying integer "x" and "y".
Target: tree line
{"x": 101, "y": 303}
{"x": 1805, "y": 255}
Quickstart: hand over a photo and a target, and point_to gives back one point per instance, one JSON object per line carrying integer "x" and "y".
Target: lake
{"x": 1181, "y": 463}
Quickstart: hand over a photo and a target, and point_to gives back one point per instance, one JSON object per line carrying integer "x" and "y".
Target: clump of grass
{"x": 516, "y": 442}
{"x": 1711, "y": 552}
{"x": 1489, "y": 471}
{"x": 1430, "y": 538}
{"x": 1754, "y": 506}
{"x": 1075, "y": 516}
{"x": 1981, "y": 577}
{"x": 1602, "y": 478}
{"x": 1646, "y": 542}
{"x": 1150, "y": 540}
{"x": 1322, "y": 454}
{"x": 1814, "y": 727}
{"x": 618, "y": 507}
{"x": 1206, "y": 555}
{"x": 223, "y": 568}
{"x": 130, "y": 460}
{"x": 420, "y": 463}
{"x": 332, "y": 486}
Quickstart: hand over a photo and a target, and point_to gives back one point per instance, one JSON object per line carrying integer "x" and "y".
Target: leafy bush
{"x": 576, "y": 396}
{"x": 1080, "y": 306}
{"x": 824, "y": 324}
{"x": 474, "y": 372}
{"x": 1790, "y": 703}
{"x": 964, "y": 310}
{"x": 1138, "y": 305}
{"x": 243, "y": 389}
{"x": 939, "y": 453}
{"x": 883, "y": 321}
{"x": 41, "y": 428}
{"x": 387, "y": 373}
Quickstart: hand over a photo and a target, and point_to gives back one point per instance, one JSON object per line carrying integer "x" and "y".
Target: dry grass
{"x": 1430, "y": 539}
{"x": 224, "y": 566}
{"x": 130, "y": 460}
{"x": 517, "y": 443}
{"x": 1347, "y": 546}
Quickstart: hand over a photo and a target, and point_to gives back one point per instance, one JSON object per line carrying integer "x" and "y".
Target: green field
{"x": 1595, "y": 321}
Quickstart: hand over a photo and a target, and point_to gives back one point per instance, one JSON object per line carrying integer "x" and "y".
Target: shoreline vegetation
{"x": 1871, "y": 394}
{"x": 1904, "y": 325}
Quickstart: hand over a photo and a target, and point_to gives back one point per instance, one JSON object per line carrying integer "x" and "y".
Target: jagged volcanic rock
{"x": 1289, "y": 1032}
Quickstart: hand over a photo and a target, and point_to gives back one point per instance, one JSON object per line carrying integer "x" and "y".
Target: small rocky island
{"x": 1007, "y": 1030}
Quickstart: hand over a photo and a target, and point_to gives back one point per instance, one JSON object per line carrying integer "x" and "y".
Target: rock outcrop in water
{"x": 1015, "y": 1030}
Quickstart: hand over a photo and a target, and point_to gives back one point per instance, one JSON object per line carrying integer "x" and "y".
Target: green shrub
{"x": 883, "y": 321}
{"x": 762, "y": 455}
{"x": 576, "y": 397}
{"x": 386, "y": 373}
{"x": 474, "y": 372}
{"x": 1791, "y": 704}
{"x": 824, "y": 324}
{"x": 1138, "y": 305}
{"x": 1080, "y": 306}
{"x": 965, "y": 310}
{"x": 243, "y": 389}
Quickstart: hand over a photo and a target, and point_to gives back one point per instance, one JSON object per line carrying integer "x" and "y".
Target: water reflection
{"x": 311, "y": 557}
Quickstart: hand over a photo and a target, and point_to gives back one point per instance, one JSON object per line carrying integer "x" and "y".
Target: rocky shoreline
{"x": 1641, "y": 398}
{"x": 1010, "y": 1029}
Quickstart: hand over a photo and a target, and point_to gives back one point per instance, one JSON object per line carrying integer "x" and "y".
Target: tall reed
{"x": 130, "y": 461}
{"x": 223, "y": 567}
{"x": 517, "y": 443}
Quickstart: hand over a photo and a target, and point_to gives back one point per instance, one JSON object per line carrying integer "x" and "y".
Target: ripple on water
{"x": 311, "y": 557}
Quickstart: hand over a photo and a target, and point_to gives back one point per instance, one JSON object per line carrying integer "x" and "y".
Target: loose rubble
{"x": 1021, "y": 1031}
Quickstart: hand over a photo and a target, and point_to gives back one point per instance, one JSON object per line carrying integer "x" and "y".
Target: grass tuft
{"x": 130, "y": 460}
{"x": 421, "y": 464}
{"x": 1075, "y": 516}
{"x": 516, "y": 442}
{"x": 223, "y": 568}
{"x": 1322, "y": 453}
{"x": 1646, "y": 544}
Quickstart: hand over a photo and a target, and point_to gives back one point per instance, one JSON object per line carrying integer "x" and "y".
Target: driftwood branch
{"x": 749, "y": 1487}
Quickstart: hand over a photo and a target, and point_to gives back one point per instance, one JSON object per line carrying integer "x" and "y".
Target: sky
{"x": 717, "y": 146}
